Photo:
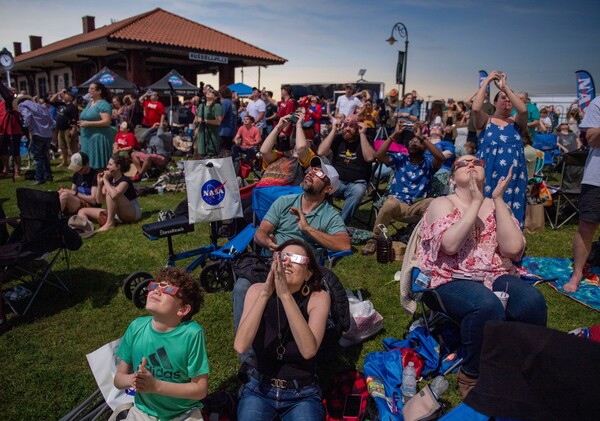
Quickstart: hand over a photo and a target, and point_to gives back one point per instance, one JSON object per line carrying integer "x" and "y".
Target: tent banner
{"x": 585, "y": 89}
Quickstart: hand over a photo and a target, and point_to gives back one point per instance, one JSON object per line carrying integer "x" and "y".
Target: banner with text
{"x": 585, "y": 89}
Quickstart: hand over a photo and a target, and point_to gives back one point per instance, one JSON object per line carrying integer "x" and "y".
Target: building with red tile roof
{"x": 141, "y": 48}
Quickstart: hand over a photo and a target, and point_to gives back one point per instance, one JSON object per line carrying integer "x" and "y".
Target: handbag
{"x": 212, "y": 190}
{"x": 534, "y": 218}
{"x": 422, "y": 407}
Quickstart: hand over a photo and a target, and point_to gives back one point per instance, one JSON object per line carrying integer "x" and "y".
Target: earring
{"x": 305, "y": 290}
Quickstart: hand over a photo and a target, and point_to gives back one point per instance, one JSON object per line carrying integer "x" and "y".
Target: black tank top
{"x": 293, "y": 365}
{"x": 130, "y": 193}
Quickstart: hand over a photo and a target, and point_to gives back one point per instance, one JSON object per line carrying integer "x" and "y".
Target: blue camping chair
{"x": 263, "y": 197}
{"x": 547, "y": 143}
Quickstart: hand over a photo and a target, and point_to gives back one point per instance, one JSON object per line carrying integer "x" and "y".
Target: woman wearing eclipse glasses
{"x": 468, "y": 245}
{"x": 284, "y": 322}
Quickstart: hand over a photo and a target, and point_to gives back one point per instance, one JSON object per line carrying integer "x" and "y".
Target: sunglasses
{"x": 318, "y": 172}
{"x": 294, "y": 258}
{"x": 164, "y": 288}
{"x": 466, "y": 162}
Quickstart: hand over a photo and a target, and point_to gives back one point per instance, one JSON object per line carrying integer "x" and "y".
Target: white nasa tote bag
{"x": 212, "y": 190}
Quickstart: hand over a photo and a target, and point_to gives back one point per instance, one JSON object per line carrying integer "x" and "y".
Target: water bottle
{"x": 438, "y": 386}
{"x": 409, "y": 382}
{"x": 385, "y": 253}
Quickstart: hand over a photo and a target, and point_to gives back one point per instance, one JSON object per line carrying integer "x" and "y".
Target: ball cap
{"x": 332, "y": 174}
{"x": 78, "y": 161}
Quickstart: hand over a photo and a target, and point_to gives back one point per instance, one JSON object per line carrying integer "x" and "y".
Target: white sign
{"x": 208, "y": 57}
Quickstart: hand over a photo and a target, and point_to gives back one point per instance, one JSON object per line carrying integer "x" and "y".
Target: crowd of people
{"x": 461, "y": 167}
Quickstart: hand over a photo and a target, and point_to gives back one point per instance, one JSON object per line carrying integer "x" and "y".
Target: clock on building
{"x": 6, "y": 59}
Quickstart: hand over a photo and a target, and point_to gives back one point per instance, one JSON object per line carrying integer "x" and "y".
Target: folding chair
{"x": 263, "y": 197}
{"x": 566, "y": 195}
{"x": 412, "y": 295}
{"x": 41, "y": 231}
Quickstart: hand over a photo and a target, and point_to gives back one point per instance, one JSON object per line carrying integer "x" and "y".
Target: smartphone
{"x": 294, "y": 118}
{"x": 352, "y": 407}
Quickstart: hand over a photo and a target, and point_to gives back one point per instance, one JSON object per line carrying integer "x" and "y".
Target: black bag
{"x": 338, "y": 320}
{"x": 251, "y": 266}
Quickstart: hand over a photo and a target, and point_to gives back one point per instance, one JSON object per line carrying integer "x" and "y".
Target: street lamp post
{"x": 402, "y": 55}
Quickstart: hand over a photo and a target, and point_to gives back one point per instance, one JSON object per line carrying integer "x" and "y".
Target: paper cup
{"x": 160, "y": 189}
{"x": 503, "y": 297}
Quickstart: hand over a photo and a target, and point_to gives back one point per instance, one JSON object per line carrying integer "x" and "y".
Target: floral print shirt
{"x": 478, "y": 256}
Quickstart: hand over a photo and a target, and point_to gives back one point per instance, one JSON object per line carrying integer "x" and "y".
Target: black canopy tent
{"x": 115, "y": 83}
{"x": 173, "y": 84}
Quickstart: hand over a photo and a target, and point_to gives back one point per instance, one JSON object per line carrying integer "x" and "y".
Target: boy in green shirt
{"x": 168, "y": 350}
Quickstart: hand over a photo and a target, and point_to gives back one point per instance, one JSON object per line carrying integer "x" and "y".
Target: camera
{"x": 294, "y": 118}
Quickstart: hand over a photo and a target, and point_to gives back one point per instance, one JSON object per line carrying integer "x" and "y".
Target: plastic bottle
{"x": 409, "y": 382}
{"x": 385, "y": 253}
{"x": 438, "y": 386}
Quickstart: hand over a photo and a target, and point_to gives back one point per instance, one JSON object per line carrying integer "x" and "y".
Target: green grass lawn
{"x": 45, "y": 372}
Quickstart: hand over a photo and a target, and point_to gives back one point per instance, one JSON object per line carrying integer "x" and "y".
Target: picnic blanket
{"x": 588, "y": 293}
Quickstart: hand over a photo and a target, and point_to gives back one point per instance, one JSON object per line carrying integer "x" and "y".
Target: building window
{"x": 23, "y": 86}
{"x": 42, "y": 88}
{"x": 55, "y": 83}
{"x": 66, "y": 79}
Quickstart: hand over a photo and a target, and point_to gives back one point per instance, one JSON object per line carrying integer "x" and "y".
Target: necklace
{"x": 280, "y": 350}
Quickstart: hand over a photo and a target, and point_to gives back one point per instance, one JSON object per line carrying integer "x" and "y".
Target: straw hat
{"x": 20, "y": 98}
{"x": 82, "y": 226}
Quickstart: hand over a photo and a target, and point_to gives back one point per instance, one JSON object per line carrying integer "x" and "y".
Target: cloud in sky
{"x": 539, "y": 45}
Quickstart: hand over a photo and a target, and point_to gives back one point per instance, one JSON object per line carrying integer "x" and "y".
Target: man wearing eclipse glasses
{"x": 307, "y": 216}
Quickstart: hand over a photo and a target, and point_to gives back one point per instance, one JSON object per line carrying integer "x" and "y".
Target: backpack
{"x": 338, "y": 321}
{"x": 346, "y": 383}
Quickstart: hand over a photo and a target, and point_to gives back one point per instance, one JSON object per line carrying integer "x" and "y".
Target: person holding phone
{"x": 467, "y": 249}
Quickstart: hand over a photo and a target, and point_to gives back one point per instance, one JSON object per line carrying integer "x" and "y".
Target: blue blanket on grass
{"x": 588, "y": 294}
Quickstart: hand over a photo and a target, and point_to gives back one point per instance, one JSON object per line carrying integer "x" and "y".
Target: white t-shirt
{"x": 592, "y": 165}
{"x": 255, "y": 108}
{"x": 347, "y": 105}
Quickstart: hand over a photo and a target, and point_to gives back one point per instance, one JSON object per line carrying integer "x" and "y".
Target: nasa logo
{"x": 175, "y": 81}
{"x": 107, "y": 79}
{"x": 213, "y": 192}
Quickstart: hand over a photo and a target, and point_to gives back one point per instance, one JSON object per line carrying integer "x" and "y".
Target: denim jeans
{"x": 352, "y": 193}
{"x": 240, "y": 288}
{"x": 40, "y": 148}
{"x": 473, "y": 304}
{"x": 260, "y": 401}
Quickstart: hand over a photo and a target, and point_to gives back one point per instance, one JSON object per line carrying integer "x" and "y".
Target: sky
{"x": 538, "y": 44}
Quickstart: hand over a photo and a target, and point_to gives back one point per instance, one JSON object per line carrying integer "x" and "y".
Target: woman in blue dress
{"x": 500, "y": 142}
{"x": 97, "y": 135}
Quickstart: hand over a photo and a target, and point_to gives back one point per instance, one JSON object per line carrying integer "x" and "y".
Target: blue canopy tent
{"x": 115, "y": 83}
{"x": 241, "y": 89}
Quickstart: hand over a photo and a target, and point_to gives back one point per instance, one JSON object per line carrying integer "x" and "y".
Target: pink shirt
{"x": 479, "y": 255}
{"x": 250, "y": 137}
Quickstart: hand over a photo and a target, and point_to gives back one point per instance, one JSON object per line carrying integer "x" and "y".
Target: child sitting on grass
{"x": 168, "y": 349}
